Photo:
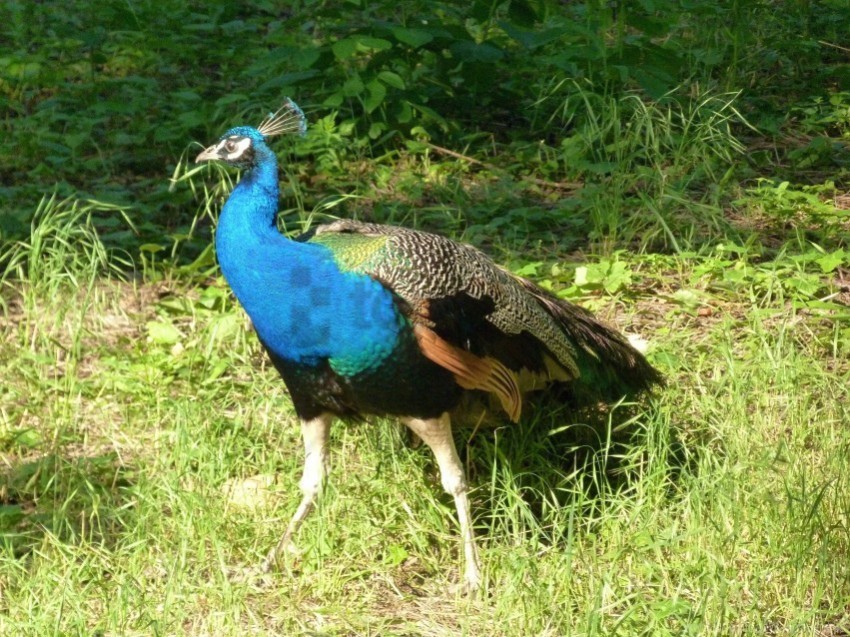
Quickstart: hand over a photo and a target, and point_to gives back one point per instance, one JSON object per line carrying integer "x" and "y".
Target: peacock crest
{"x": 289, "y": 118}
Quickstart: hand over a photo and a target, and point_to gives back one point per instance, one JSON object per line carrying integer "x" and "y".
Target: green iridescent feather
{"x": 354, "y": 252}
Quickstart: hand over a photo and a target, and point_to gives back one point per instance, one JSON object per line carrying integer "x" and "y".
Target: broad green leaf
{"x": 213, "y": 296}
{"x": 529, "y": 269}
{"x": 334, "y": 100}
{"x": 163, "y": 333}
{"x": 391, "y": 79}
{"x": 411, "y": 37}
{"x": 617, "y": 277}
{"x": 345, "y": 48}
{"x": 214, "y": 372}
{"x": 403, "y": 112}
{"x": 829, "y": 262}
{"x": 224, "y": 327}
{"x": 305, "y": 58}
{"x": 376, "y": 129}
{"x": 26, "y": 438}
{"x": 688, "y": 298}
{"x": 373, "y": 44}
{"x": 353, "y": 86}
{"x": 377, "y": 93}
{"x": 396, "y": 554}
{"x": 581, "y": 276}
{"x": 348, "y": 47}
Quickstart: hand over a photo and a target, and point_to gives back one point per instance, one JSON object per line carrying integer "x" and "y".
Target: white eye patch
{"x": 234, "y": 147}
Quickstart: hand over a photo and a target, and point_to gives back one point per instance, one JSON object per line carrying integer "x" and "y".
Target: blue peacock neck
{"x": 254, "y": 256}
{"x": 255, "y": 197}
{"x": 247, "y": 234}
{"x": 303, "y": 307}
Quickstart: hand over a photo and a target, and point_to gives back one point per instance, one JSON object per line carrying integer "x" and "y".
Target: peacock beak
{"x": 208, "y": 154}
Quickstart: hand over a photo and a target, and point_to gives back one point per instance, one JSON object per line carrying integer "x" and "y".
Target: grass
{"x": 159, "y": 452}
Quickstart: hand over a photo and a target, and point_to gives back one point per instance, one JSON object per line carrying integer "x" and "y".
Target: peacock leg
{"x": 437, "y": 434}
{"x": 315, "y": 433}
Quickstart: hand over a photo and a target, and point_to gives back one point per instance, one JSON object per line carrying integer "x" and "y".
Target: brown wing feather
{"x": 471, "y": 371}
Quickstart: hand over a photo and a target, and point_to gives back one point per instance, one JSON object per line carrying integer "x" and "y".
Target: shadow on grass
{"x": 600, "y": 457}
{"x": 72, "y": 499}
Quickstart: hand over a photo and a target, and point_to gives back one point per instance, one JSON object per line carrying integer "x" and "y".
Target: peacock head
{"x": 243, "y": 146}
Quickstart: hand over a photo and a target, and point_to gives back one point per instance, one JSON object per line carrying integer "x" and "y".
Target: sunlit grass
{"x": 719, "y": 507}
{"x": 653, "y": 170}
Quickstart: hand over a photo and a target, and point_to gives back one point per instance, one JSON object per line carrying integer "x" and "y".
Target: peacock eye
{"x": 230, "y": 146}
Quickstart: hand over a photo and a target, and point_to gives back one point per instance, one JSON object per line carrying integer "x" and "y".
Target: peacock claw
{"x": 465, "y": 588}
{"x": 261, "y": 575}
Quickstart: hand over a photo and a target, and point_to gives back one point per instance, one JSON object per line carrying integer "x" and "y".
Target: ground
{"x": 150, "y": 450}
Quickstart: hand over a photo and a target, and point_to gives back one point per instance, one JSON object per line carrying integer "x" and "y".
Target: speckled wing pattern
{"x": 419, "y": 266}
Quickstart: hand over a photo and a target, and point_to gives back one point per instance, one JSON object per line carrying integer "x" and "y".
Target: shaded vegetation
{"x": 100, "y": 102}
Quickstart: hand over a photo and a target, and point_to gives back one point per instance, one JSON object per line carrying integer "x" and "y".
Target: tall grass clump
{"x": 50, "y": 277}
{"x": 653, "y": 169}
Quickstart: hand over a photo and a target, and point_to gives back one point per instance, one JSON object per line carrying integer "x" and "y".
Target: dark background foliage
{"x": 100, "y": 100}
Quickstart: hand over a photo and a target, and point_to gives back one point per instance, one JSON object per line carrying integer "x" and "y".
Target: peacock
{"x": 365, "y": 319}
